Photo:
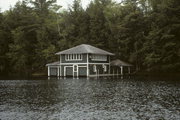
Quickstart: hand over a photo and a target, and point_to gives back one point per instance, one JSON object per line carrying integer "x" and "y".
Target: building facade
{"x": 82, "y": 60}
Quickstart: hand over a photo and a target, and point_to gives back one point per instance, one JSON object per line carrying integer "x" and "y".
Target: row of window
{"x": 79, "y": 57}
{"x": 73, "y": 57}
{"x": 99, "y": 57}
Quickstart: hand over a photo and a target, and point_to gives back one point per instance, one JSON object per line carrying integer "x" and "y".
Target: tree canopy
{"x": 144, "y": 32}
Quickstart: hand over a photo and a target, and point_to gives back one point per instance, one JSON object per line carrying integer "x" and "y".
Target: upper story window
{"x": 71, "y": 57}
{"x": 99, "y": 57}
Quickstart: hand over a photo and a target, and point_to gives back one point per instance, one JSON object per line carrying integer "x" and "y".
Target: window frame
{"x": 95, "y": 57}
{"x": 104, "y": 67}
{"x": 94, "y": 68}
{"x": 73, "y": 57}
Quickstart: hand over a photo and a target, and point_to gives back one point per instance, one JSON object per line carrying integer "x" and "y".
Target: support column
{"x": 58, "y": 71}
{"x": 73, "y": 71}
{"x": 48, "y": 71}
{"x": 87, "y": 70}
{"x": 121, "y": 70}
{"x": 64, "y": 71}
{"x": 87, "y": 65}
{"x": 60, "y": 66}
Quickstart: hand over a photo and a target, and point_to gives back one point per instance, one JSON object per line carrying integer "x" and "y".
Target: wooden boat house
{"x": 81, "y": 60}
{"x": 119, "y": 67}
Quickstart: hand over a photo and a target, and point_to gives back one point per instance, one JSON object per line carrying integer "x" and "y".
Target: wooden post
{"x": 77, "y": 72}
{"x": 73, "y": 71}
{"x": 64, "y": 71}
{"x": 87, "y": 70}
{"x": 48, "y": 71}
{"x": 58, "y": 71}
{"x": 87, "y": 65}
{"x": 121, "y": 70}
{"x": 60, "y": 66}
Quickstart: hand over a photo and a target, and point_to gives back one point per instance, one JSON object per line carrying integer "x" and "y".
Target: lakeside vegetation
{"x": 143, "y": 32}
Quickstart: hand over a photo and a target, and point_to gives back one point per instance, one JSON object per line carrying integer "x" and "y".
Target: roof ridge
{"x": 84, "y": 48}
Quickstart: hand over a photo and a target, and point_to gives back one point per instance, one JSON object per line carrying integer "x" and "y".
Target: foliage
{"x": 144, "y": 32}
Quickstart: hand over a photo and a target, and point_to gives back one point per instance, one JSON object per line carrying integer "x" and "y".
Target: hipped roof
{"x": 118, "y": 62}
{"x": 84, "y": 48}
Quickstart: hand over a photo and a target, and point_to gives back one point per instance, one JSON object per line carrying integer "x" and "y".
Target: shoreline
{"x": 138, "y": 75}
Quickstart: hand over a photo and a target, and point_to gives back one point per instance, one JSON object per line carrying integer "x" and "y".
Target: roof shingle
{"x": 84, "y": 48}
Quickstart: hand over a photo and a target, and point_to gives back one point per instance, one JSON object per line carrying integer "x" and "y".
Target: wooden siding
{"x": 53, "y": 71}
{"x": 69, "y": 71}
{"x": 82, "y": 71}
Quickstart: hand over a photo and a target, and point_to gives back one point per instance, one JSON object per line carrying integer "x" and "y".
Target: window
{"x": 71, "y": 57}
{"x": 94, "y": 68}
{"x": 75, "y": 68}
{"x": 99, "y": 57}
{"x": 104, "y": 67}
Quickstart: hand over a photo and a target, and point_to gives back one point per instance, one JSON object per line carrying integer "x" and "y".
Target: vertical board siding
{"x": 69, "y": 71}
{"x": 82, "y": 71}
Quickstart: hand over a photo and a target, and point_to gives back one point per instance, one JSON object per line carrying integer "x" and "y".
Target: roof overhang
{"x": 119, "y": 63}
{"x": 85, "y": 49}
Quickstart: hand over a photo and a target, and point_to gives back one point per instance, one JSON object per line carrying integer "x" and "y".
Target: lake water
{"x": 90, "y": 99}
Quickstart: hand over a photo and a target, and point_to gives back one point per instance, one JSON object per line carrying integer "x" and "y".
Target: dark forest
{"x": 145, "y": 33}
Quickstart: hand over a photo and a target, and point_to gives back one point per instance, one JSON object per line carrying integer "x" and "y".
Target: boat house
{"x": 119, "y": 67}
{"x": 81, "y": 60}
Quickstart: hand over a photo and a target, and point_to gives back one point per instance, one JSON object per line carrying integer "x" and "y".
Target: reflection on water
{"x": 89, "y": 99}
